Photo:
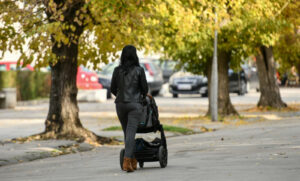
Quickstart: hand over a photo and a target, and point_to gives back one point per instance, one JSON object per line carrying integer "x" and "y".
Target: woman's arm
{"x": 114, "y": 84}
{"x": 143, "y": 83}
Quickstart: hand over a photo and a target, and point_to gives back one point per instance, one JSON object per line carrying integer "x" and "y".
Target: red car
{"x": 6, "y": 66}
{"x": 87, "y": 79}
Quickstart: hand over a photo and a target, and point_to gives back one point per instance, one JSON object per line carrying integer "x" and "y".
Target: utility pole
{"x": 214, "y": 78}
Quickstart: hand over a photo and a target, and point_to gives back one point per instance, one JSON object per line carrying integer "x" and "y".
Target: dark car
{"x": 167, "y": 67}
{"x": 187, "y": 83}
{"x": 152, "y": 71}
{"x": 237, "y": 82}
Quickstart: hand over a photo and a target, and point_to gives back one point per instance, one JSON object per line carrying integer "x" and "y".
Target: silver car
{"x": 153, "y": 75}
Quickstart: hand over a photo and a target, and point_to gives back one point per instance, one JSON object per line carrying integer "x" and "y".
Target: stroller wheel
{"x": 141, "y": 164}
{"x": 122, "y": 152}
{"x": 163, "y": 156}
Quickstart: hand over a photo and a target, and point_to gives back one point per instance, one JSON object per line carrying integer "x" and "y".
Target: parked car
{"x": 154, "y": 76}
{"x": 167, "y": 67}
{"x": 238, "y": 82}
{"x": 187, "y": 83}
{"x": 6, "y": 66}
{"x": 152, "y": 71}
{"x": 104, "y": 77}
{"x": 87, "y": 79}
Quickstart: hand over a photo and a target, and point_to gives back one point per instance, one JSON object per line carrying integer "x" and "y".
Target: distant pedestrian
{"x": 293, "y": 77}
{"x": 130, "y": 87}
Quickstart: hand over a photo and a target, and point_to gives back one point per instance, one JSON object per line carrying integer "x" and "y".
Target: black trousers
{"x": 129, "y": 115}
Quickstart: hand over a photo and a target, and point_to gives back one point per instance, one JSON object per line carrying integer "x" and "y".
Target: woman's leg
{"x": 134, "y": 117}
{"x": 123, "y": 117}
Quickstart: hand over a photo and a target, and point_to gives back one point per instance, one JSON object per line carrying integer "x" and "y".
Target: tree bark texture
{"x": 208, "y": 74}
{"x": 225, "y": 106}
{"x": 270, "y": 95}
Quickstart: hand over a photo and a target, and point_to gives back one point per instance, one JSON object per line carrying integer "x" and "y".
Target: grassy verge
{"x": 290, "y": 108}
{"x": 174, "y": 129}
{"x": 113, "y": 128}
{"x": 177, "y": 129}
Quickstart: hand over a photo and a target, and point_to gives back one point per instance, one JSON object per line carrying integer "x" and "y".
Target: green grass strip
{"x": 177, "y": 129}
{"x": 113, "y": 128}
{"x": 169, "y": 128}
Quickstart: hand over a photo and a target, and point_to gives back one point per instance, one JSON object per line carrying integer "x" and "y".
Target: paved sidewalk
{"x": 266, "y": 151}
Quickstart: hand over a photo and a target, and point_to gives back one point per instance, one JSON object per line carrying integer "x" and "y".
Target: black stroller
{"x": 155, "y": 150}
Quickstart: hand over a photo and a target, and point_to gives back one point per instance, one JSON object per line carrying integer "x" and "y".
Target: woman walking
{"x": 130, "y": 87}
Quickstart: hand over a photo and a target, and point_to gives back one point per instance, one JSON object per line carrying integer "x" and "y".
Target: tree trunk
{"x": 63, "y": 120}
{"x": 270, "y": 95}
{"x": 225, "y": 106}
{"x": 63, "y": 110}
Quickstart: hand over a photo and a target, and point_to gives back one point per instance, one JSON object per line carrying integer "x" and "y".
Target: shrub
{"x": 30, "y": 84}
{"x": 7, "y": 79}
{"x": 33, "y": 85}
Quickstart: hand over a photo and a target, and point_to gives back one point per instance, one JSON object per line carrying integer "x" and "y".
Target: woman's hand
{"x": 150, "y": 96}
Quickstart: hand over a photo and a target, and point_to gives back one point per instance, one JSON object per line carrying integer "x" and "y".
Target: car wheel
{"x": 204, "y": 95}
{"x": 175, "y": 95}
{"x": 155, "y": 93}
{"x": 141, "y": 164}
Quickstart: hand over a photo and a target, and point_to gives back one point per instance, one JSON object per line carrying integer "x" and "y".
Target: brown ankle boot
{"x": 127, "y": 165}
{"x": 134, "y": 163}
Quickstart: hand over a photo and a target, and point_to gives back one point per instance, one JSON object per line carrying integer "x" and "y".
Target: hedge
{"x": 8, "y": 79}
{"x": 30, "y": 84}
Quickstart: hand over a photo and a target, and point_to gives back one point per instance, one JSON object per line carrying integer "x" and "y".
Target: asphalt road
{"x": 265, "y": 151}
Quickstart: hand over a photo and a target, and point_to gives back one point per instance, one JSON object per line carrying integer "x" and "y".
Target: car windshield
{"x": 2, "y": 67}
{"x": 170, "y": 65}
{"x": 157, "y": 62}
{"x": 108, "y": 69}
{"x": 165, "y": 64}
{"x": 154, "y": 67}
{"x": 13, "y": 67}
{"x": 84, "y": 69}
